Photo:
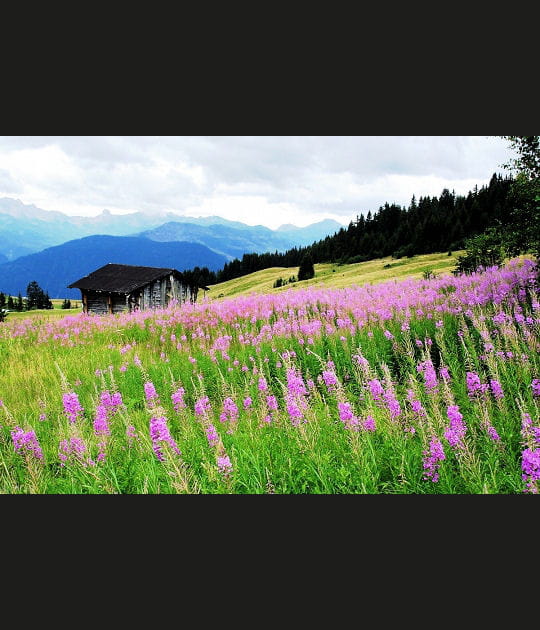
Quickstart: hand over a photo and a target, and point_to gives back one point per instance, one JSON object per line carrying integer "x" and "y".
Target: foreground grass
{"x": 363, "y": 382}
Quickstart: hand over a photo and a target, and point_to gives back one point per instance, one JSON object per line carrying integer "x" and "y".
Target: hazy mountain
{"x": 310, "y": 233}
{"x": 56, "y": 267}
{"x": 26, "y": 229}
{"x": 230, "y": 241}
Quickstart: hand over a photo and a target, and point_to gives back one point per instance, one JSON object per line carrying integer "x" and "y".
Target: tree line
{"x": 35, "y": 298}
{"x": 427, "y": 225}
{"x": 489, "y": 223}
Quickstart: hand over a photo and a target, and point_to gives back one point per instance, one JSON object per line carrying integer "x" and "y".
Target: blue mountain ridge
{"x": 56, "y": 267}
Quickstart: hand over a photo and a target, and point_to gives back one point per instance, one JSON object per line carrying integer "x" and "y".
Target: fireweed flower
{"x": 247, "y": 402}
{"x": 432, "y": 460}
{"x": 492, "y": 432}
{"x": 159, "y": 434}
{"x": 295, "y": 397}
{"x": 131, "y": 434}
{"x": 473, "y": 383}
{"x": 224, "y": 466}
{"x": 376, "y": 389}
{"x": 111, "y": 402}
{"x": 26, "y": 441}
{"x": 330, "y": 380}
{"x": 263, "y": 385}
{"x": 101, "y": 425}
{"x": 177, "y": 398}
{"x": 457, "y": 429}
{"x": 202, "y": 406}
{"x": 212, "y": 435}
{"x": 72, "y": 406}
{"x": 444, "y": 373}
{"x": 530, "y": 465}
{"x": 427, "y": 370}
{"x": 294, "y": 412}
{"x": 536, "y": 387}
{"x": 271, "y": 402}
{"x": 496, "y": 389}
{"x": 392, "y": 404}
{"x": 230, "y": 411}
{"x": 150, "y": 393}
{"x": 347, "y": 416}
{"x": 369, "y": 423}
{"x": 416, "y": 405}
{"x": 73, "y": 451}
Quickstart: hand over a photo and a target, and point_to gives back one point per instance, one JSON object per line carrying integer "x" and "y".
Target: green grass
{"x": 320, "y": 456}
{"x": 336, "y": 276}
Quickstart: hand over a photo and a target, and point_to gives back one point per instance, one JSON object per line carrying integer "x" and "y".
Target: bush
{"x": 485, "y": 250}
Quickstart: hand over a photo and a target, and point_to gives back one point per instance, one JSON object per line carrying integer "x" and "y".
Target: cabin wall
{"x": 155, "y": 294}
{"x": 102, "y": 303}
{"x": 119, "y": 303}
{"x": 95, "y": 302}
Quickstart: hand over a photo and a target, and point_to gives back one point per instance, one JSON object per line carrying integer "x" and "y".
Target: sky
{"x": 258, "y": 180}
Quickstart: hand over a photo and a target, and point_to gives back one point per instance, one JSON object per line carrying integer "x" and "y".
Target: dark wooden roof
{"x": 115, "y": 278}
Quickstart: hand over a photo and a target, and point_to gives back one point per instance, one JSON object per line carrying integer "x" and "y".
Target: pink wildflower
{"x": 224, "y": 466}
{"x": 159, "y": 434}
{"x": 26, "y": 441}
{"x": 72, "y": 406}
{"x": 432, "y": 460}
{"x": 457, "y": 429}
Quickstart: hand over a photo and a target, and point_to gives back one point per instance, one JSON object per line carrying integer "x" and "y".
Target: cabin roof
{"x": 115, "y": 278}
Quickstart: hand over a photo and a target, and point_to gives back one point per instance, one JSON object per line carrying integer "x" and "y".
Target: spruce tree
{"x": 306, "y": 269}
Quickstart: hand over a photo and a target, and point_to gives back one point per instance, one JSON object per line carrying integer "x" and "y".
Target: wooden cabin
{"x": 117, "y": 288}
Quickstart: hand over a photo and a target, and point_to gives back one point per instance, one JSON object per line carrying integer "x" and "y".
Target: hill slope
{"x": 336, "y": 276}
{"x": 56, "y": 267}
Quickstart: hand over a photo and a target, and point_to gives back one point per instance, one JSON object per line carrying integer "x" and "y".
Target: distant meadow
{"x": 424, "y": 385}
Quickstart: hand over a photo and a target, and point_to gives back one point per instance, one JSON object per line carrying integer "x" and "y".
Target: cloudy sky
{"x": 268, "y": 180}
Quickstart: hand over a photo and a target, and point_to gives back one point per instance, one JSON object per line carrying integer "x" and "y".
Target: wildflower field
{"x": 419, "y": 386}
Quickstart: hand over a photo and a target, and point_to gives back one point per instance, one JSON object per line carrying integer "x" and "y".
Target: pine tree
{"x": 306, "y": 269}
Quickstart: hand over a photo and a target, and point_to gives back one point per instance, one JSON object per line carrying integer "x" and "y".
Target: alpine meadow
{"x": 403, "y": 372}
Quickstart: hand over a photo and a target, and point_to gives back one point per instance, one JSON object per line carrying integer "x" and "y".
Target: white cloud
{"x": 255, "y": 179}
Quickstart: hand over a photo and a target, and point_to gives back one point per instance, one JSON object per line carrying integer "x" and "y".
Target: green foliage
{"x": 528, "y": 160}
{"x": 36, "y": 297}
{"x": 66, "y": 303}
{"x": 428, "y": 225}
{"x": 3, "y": 314}
{"x": 306, "y": 271}
{"x": 522, "y": 230}
{"x": 483, "y": 250}
{"x": 278, "y": 283}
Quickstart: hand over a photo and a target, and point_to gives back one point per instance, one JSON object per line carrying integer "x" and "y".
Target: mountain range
{"x": 26, "y": 229}
{"x": 55, "y": 249}
{"x": 56, "y": 267}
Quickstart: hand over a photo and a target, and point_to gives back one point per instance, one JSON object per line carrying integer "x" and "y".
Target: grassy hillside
{"x": 337, "y": 276}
